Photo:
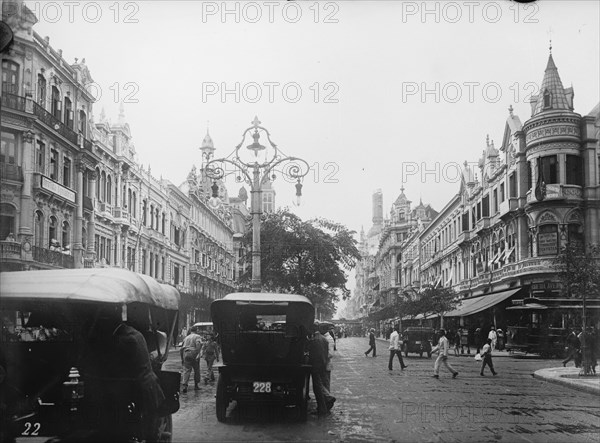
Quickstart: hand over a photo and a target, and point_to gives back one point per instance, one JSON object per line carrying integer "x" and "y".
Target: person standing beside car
{"x": 190, "y": 359}
{"x": 318, "y": 354}
{"x": 210, "y": 352}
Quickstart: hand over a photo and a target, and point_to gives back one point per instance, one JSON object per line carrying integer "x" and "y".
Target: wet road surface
{"x": 374, "y": 404}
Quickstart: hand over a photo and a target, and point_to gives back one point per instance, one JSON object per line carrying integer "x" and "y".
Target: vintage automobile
{"x": 204, "y": 328}
{"x": 418, "y": 339}
{"x": 67, "y": 375}
{"x": 263, "y": 339}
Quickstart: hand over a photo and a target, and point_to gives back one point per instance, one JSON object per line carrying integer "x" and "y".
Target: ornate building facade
{"x": 496, "y": 240}
{"x": 74, "y": 195}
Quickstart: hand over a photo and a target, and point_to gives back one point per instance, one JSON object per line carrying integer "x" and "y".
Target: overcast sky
{"x": 385, "y": 86}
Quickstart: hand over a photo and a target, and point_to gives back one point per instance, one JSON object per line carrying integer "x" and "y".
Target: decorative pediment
{"x": 574, "y": 216}
{"x": 547, "y": 217}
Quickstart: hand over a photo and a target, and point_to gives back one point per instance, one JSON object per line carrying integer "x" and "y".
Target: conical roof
{"x": 553, "y": 89}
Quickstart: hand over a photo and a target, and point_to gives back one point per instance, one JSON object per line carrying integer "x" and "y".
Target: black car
{"x": 418, "y": 340}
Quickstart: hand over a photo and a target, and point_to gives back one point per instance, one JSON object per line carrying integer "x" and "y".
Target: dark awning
{"x": 529, "y": 306}
{"x": 474, "y": 305}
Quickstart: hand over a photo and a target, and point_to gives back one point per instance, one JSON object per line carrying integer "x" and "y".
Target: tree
{"x": 306, "y": 257}
{"x": 579, "y": 272}
{"x": 436, "y": 301}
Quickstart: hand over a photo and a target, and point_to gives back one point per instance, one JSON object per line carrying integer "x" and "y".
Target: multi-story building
{"x": 496, "y": 240}
{"x": 74, "y": 195}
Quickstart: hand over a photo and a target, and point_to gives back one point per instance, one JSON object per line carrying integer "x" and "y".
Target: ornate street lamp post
{"x": 257, "y": 171}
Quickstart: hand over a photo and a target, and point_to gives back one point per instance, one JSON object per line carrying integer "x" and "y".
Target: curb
{"x": 554, "y": 375}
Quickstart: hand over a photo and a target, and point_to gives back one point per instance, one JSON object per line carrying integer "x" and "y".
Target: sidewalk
{"x": 569, "y": 377}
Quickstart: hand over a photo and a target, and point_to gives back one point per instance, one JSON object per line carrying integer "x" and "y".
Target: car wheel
{"x": 222, "y": 401}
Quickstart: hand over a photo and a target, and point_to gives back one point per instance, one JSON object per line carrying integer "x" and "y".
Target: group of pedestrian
{"x": 194, "y": 348}
{"x": 574, "y": 350}
{"x": 442, "y": 348}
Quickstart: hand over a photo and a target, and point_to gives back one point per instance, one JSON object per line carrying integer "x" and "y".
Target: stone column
{"x": 91, "y": 247}
{"x": 24, "y": 216}
{"x": 77, "y": 246}
{"x": 118, "y": 251}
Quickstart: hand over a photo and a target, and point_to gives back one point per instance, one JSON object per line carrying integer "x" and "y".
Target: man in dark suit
{"x": 318, "y": 355}
{"x": 121, "y": 382}
{"x": 372, "y": 343}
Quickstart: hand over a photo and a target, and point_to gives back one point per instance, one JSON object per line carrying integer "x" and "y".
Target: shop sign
{"x": 58, "y": 189}
{"x": 548, "y": 243}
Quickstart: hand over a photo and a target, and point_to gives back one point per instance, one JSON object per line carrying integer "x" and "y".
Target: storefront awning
{"x": 528, "y": 306}
{"x": 475, "y": 305}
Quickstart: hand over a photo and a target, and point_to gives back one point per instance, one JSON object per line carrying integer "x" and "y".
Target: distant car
{"x": 418, "y": 340}
{"x": 204, "y": 328}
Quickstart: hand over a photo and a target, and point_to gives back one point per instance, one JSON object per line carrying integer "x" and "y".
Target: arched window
{"x": 66, "y": 234}
{"x": 98, "y": 183}
{"x": 108, "y": 189}
{"x": 151, "y": 216}
{"x": 56, "y": 104}
{"x": 38, "y": 233}
{"x": 68, "y": 113}
{"x": 52, "y": 229}
{"x": 547, "y": 99}
{"x": 129, "y": 201}
{"x": 10, "y": 77}
{"x": 575, "y": 235}
{"x": 41, "y": 90}
{"x": 82, "y": 123}
{"x": 7, "y": 220}
{"x": 134, "y": 204}
{"x": 124, "y": 197}
{"x": 103, "y": 186}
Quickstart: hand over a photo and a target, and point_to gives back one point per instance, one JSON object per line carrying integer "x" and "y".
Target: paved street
{"x": 405, "y": 406}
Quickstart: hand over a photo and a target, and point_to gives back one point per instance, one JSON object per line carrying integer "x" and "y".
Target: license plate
{"x": 417, "y": 343}
{"x": 263, "y": 387}
{"x": 31, "y": 429}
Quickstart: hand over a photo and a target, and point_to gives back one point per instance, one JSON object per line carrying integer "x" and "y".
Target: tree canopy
{"x": 431, "y": 301}
{"x": 309, "y": 258}
{"x": 579, "y": 270}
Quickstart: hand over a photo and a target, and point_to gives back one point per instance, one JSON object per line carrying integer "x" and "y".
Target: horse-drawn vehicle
{"x": 81, "y": 355}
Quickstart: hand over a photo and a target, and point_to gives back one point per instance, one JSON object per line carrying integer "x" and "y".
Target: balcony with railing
{"x": 105, "y": 209}
{"x": 12, "y": 101}
{"x": 53, "y": 258}
{"x": 121, "y": 215}
{"x": 18, "y": 103}
{"x": 49, "y": 120}
{"x": 10, "y": 250}
{"x": 508, "y": 205}
{"x": 556, "y": 191}
{"x": 9, "y": 171}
